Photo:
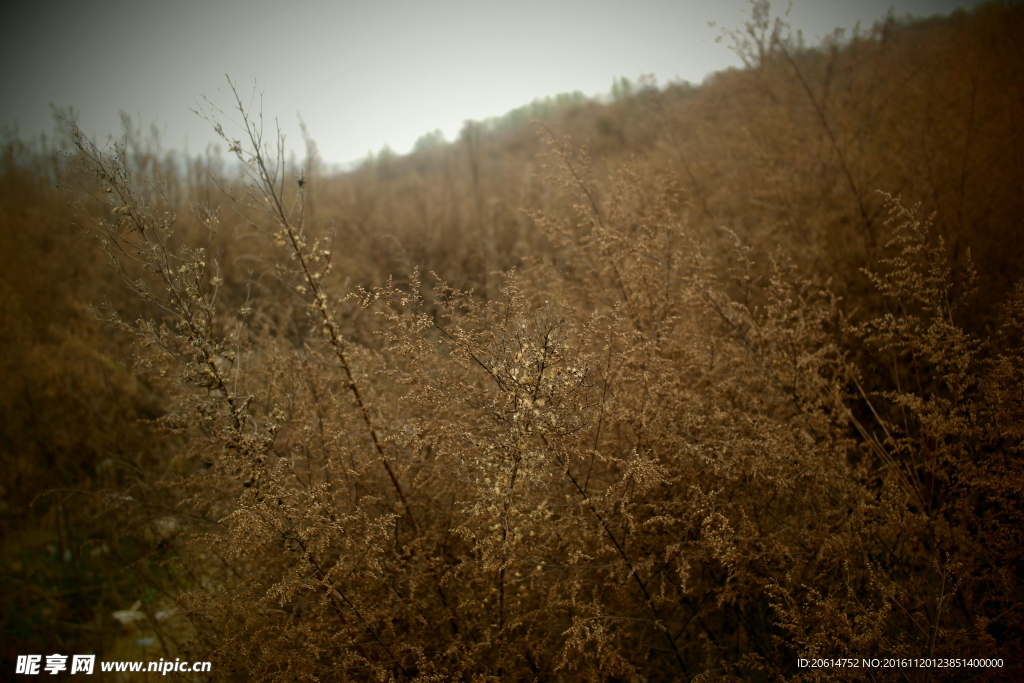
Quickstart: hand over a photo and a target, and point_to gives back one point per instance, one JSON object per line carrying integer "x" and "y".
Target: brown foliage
{"x": 605, "y": 438}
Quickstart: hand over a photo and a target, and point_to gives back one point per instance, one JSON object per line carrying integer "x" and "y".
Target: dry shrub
{"x": 641, "y": 458}
{"x": 388, "y": 425}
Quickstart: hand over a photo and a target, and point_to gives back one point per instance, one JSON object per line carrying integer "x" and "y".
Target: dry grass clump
{"x": 71, "y": 448}
{"x": 673, "y": 404}
{"x": 637, "y": 460}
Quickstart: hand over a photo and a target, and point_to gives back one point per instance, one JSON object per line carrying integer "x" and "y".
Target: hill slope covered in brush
{"x": 696, "y": 381}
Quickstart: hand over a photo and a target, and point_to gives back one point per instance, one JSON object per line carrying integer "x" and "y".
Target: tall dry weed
{"x": 655, "y": 450}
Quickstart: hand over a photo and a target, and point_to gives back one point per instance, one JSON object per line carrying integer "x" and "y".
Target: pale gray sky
{"x": 363, "y": 74}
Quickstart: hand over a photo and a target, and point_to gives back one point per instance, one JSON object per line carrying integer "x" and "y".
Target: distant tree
{"x": 431, "y": 140}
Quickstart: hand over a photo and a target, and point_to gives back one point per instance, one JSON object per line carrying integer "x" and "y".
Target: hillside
{"x": 695, "y": 382}
{"x": 790, "y": 153}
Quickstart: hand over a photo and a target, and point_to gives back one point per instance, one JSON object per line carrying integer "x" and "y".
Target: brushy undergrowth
{"x": 599, "y": 439}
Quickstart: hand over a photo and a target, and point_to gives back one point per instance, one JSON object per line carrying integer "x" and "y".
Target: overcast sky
{"x": 363, "y": 74}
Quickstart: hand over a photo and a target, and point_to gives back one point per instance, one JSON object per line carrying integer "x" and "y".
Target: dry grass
{"x": 400, "y": 429}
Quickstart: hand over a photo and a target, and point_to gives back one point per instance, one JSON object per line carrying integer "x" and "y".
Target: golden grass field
{"x": 691, "y": 384}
